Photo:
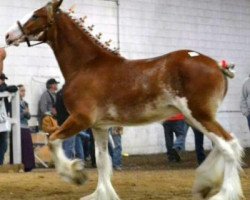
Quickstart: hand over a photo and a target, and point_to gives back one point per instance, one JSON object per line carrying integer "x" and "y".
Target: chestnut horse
{"x": 103, "y": 89}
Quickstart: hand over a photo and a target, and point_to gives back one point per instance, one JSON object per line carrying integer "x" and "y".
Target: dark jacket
{"x": 62, "y": 113}
{"x": 4, "y": 88}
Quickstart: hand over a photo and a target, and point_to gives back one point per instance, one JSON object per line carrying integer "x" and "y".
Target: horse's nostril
{"x": 7, "y": 36}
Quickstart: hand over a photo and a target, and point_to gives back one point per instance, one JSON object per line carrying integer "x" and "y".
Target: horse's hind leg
{"x": 218, "y": 177}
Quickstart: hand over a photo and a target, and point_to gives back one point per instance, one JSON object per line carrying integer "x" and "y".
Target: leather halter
{"x": 26, "y": 37}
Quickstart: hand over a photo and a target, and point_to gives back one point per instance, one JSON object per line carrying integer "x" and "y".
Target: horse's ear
{"x": 50, "y": 12}
{"x": 56, "y": 4}
{"x": 52, "y": 7}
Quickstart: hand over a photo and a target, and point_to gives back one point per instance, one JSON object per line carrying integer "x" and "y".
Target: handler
{"x": 3, "y": 86}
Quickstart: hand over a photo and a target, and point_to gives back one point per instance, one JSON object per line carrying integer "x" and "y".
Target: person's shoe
{"x": 176, "y": 155}
{"x": 171, "y": 158}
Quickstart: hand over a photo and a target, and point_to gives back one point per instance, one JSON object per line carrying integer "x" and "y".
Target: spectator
{"x": 199, "y": 140}
{"x": 86, "y": 145}
{"x": 92, "y": 147}
{"x": 73, "y": 146}
{"x": 175, "y": 125}
{"x": 81, "y": 148}
{"x": 3, "y": 135}
{"x": 62, "y": 115}
{"x": 3, "y": 87}
{"x": 245, "y": 100}
{"x": 28, "y": 158}
{"x": 116, "y": 152}
{"x": 199, "y": 149}
{"x": 47, "y": 101}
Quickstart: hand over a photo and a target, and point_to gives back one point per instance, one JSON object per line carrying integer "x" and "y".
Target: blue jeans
{"x": 117, "y": 151}
{"x": 199, "y": 139}
{"x": 3, "y": 145}
{"x": 69, "y": 147}
{"x": 79, "y": 153}
{"x": 180, "y": 130}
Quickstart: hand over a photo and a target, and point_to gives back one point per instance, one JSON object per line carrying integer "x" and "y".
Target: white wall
{"x": 218, "y": 28}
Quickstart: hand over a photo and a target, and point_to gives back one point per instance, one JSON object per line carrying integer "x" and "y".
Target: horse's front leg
{"x": 104, "y": 190}
{"x": 70, "y": 170}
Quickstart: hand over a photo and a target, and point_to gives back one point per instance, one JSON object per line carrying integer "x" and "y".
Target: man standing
{"x": 175, "y": 125}
{"x": 47, "y": 101}
{"x": 116, "y": 148}
{"x": 3, "y": 87}
{"x": 72, "y": 146}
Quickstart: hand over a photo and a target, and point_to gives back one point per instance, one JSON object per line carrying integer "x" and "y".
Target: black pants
{"x": 28, "y": 158}
{"x": 199, "y": 140}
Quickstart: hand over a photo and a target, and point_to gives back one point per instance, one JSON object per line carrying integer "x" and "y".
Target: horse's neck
{"x": 72, "y": 47}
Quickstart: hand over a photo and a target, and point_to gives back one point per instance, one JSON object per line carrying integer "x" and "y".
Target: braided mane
{"x": 80, "y": 25}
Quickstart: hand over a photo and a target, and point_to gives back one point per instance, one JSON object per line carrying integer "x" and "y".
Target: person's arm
{"x": 3, "y": 87}
{"x": 2, "y": 57}
{"x": 243, "y": 103}
{"x": 26, "y": 112}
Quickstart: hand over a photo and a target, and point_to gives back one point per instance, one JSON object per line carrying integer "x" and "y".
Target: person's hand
{"x": 53, "y": 111}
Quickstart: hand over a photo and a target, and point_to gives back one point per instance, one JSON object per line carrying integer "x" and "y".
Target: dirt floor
{"x": 142, "y": 178}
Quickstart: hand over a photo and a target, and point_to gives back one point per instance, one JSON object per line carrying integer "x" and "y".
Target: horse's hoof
{"x": 74, "y": 172}
{"x": 79, "y": 175}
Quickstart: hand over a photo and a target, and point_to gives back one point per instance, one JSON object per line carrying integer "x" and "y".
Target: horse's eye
{"x": 34, "y": 17}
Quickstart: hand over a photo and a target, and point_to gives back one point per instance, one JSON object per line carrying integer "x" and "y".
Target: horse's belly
{"x": 140, "y": 114}
{"x": 155, "y": 115}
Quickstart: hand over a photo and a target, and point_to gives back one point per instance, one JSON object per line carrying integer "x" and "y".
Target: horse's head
{"x": 34, "y": 26}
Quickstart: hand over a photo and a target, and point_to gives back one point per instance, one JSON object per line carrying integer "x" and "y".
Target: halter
{"x": 46, "y": 28}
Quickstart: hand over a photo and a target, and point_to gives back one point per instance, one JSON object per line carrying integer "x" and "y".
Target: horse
{"x": 104, "y": 89}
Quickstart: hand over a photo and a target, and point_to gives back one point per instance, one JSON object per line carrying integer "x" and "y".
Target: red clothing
{"x": 177, "y": 117}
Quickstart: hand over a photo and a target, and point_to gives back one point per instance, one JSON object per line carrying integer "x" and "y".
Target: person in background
{"x": 92, "y": 147}
{"x": 62, "y": 114}
{"x": 73, "y": 146}
{"x": 199, "y": 149}
{"x": 199, "y": 141}
{"x": 245, "y": 100}
{"x": 79, "y": 151}
{"x": 3, "y": 87}
{"x": 81, "y": 145}
{"x": 47, "y": 101}
{"x": 3, "y": 135}
{"x": 28, "y": 158}
{"x": 175, "y": 125}
{"x": 116, "y": 147}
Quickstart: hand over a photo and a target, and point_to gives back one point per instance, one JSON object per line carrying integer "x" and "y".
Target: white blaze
{"x": 14, "y": 31}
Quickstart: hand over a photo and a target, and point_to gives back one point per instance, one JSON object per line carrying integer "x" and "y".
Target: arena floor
{"x": 143, "y": 178}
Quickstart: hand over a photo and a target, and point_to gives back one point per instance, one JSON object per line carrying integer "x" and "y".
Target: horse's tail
{"x": 227, "y": 68}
